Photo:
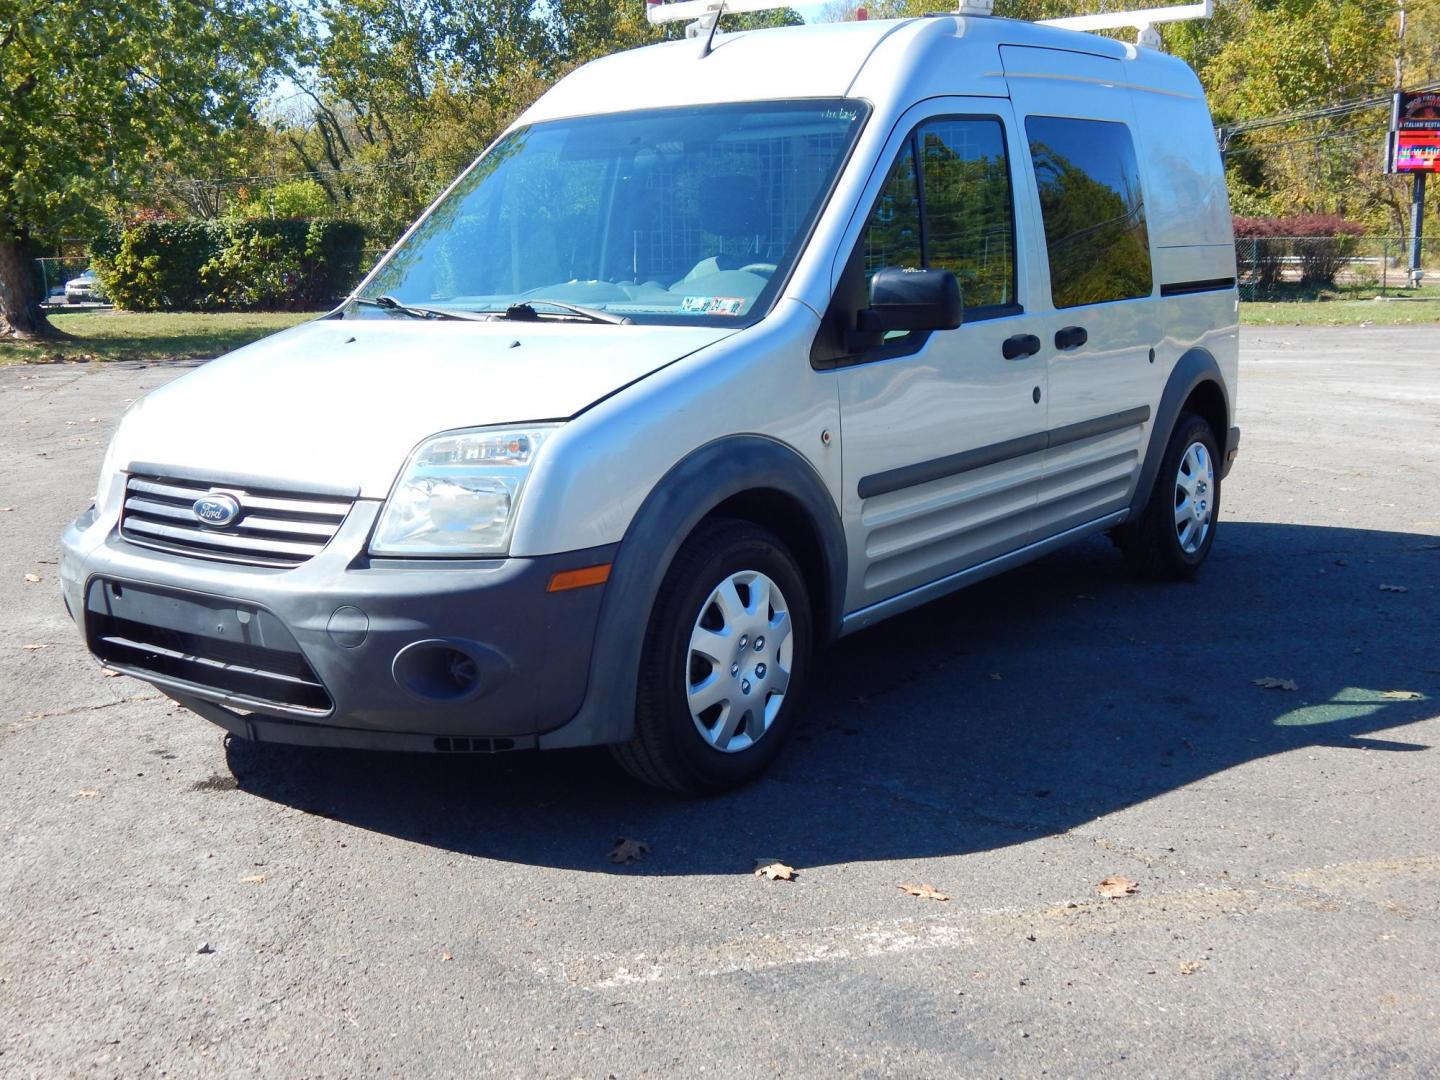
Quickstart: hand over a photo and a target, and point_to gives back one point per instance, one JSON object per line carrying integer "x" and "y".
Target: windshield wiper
{"x": 389, "y": 303}
{"x": 525, "y": 311}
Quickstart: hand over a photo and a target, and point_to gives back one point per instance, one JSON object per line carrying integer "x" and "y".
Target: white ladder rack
{"x": 704, "y": 14}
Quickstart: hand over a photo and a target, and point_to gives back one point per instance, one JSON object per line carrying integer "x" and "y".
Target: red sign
{"x": 1414, "y": 143}
{"x": 1417, "y": 151}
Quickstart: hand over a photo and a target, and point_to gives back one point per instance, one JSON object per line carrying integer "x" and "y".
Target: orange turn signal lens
{"x": 579, "y": 579}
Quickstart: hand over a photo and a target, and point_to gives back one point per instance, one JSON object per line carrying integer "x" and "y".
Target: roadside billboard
{"x": 1414, "y": 141}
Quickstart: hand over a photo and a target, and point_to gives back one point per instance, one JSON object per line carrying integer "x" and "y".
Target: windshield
{"x": 682, "y": 215}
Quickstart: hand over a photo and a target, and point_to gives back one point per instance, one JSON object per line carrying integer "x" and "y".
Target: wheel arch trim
{"x": 690, "y": 491}
{"x": 1194, "y": 368}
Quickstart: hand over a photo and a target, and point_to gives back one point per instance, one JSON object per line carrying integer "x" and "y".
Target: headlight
{"x": 458, "y": 493}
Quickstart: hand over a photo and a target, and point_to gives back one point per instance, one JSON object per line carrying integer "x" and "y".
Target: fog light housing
{"x": 438, "y": 670}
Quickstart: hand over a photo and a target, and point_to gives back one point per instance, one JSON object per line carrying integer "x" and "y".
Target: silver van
{"x": 722, "y": 351}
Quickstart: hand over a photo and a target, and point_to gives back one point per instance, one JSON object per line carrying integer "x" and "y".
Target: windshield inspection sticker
{"x": 712, "y": 305}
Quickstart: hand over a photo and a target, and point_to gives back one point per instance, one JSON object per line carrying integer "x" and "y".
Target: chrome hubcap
{"x": 738, "y": 667}
{"x": 1194, "y": 497}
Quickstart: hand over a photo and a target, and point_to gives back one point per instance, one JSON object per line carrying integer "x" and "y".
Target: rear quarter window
{"x": 1093, "y": 210}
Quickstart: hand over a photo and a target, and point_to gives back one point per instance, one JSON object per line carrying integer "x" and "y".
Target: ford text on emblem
{"x": 217, "y": 509}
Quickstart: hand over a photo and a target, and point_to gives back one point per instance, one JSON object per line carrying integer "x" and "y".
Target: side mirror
{"x": 911, "y": 300}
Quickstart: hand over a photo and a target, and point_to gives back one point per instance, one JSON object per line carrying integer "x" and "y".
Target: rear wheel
{"x": 726, "y": 656}
{"x": 1174, "y": 532}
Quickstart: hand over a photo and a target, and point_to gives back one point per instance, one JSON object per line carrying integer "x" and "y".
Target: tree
{"x": 95, "y": 95}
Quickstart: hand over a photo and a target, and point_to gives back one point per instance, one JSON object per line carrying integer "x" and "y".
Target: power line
{"x": 1226, "y": 132}
{"x": 276, "y": 178}
{"x": 1324, "y": 136}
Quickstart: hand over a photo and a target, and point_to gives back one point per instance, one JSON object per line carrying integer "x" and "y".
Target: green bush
{"x": 239, "y": 265}
{"x": 155, "y": 265}
{"x": 292, "y": 199}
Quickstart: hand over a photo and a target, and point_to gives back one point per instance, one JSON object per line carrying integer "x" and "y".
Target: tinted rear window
{"x": 1093, "y": 210}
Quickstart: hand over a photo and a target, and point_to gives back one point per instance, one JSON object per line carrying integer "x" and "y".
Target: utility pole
{"x": 1417, "y": 180}
{"x": 1417, "y": 228}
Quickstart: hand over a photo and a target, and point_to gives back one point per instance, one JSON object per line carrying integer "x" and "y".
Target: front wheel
{"x": 1174, "y": 532}
{"x": 726, "y": 656}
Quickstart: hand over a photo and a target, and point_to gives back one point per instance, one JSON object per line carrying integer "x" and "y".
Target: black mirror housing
{"x": 902, "y": 299}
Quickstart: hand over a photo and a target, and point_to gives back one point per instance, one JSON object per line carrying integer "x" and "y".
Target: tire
{"x": 1159, "y": 544}
{"x": 741, "y": 719}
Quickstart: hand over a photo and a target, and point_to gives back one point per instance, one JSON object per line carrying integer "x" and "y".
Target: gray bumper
{"x": 343, "y": 649}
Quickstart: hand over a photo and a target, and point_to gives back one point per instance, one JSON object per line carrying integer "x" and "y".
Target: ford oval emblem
{"x": 218, "y": 509}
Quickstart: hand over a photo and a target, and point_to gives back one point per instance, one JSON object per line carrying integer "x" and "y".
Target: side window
{"x": 954, "y": 212}
{"x": 969, "y": 211}
{"x": 892, "y": 235}
{"x": 1093, "y": 210}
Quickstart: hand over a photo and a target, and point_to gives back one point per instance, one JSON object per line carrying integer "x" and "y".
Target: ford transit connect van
{"x": 716, "y": 355}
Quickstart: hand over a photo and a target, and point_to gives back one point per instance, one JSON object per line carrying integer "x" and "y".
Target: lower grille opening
{"x": 458, "y": 745}
{"x": 263, "y": 675}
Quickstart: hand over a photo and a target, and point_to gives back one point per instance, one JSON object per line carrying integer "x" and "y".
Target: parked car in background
{"x": 85, "y": 289}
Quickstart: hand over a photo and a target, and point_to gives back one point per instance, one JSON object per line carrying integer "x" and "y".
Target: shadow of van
{"x": 1025, "y": 706}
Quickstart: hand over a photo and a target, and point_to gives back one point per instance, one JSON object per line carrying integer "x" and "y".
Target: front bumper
{"x": 344, "y": 649}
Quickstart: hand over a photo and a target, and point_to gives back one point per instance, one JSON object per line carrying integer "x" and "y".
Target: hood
{"x": 344, "y": 401}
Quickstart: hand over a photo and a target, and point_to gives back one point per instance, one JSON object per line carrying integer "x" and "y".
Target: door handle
{"x": 1020, "y": 345}
{"x": 1071, "y": 337}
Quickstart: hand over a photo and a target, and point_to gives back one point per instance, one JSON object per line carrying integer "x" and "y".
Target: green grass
{"x": 1339, "y": 312}
{"x": 123, "y": 335}
{"x": 1349, "y": 304}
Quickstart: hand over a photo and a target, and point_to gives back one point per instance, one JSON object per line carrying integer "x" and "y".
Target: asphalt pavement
{"x": 171, "y": 906}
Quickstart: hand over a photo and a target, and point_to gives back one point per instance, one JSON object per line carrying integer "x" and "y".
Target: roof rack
{"x": 1143, "y": 20}
{"x": 705, "y": 14}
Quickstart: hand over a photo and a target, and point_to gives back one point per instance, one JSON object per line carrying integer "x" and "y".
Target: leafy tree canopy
{"x": 98, "y": 93}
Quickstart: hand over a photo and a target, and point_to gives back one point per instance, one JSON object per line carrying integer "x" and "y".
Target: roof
{"x": 891, "y": 63}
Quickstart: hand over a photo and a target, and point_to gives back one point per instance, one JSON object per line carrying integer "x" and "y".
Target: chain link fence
{"x": 53, "y": 273}
{"x": 1270, "y": 268}
{"x": 1303, "y": 267}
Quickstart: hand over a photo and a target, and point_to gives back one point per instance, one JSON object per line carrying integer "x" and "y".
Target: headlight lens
{"x": 458, "y": 493}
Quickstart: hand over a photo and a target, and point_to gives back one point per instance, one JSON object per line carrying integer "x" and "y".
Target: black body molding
{"x": 687, "y": 493}
{"x": 924, "y": 471}
{"x": 1185, "y": 288}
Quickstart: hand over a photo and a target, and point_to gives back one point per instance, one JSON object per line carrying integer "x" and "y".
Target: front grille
{"x": 274, "y": 528}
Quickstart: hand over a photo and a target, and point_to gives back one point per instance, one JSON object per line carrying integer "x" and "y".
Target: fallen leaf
{"x": 1115, "y": 886}
{"x": 32, "y": 578}
{"x": 253, "y": 879}
{"x": 1394, "y": 588}
{"x": 628, "y": 850}
{"x": 1269, "y": 682}
{"x": 86, "y": 794}
{"x": 110, "y": 673}
{"x": 204, "y": 947}
{"x": 1189, "y": 967}
{"x": 1401, "y": 695}
{"x": 924, "y": 892}
{"x": 774, "y": 870}
{"x": 446, "y": 956}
